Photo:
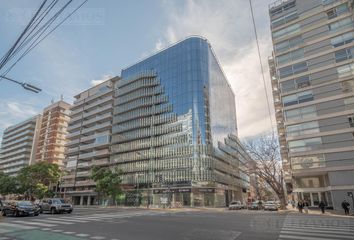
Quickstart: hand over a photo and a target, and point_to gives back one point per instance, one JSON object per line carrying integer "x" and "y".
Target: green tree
{"x": 37, "y": 179}
{"x": 8, "y": 184}
{"x": 108, "y": 181}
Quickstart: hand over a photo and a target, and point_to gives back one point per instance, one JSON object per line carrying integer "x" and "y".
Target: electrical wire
{"x": 261, "y": 65}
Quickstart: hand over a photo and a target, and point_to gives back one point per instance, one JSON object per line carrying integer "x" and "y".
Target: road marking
{"x": 45, "y": 229}
{"x": 82, "y": 235}
{"x": 37, "y": 224}
{"x": 69, "y": 232}
{"x": 326, "y": 229}
{"x": 17, "y": 226}
{"x": 52, "y": 221}
{"x": 303, "y": 238}
{"x": 57, "y": 230}
{"x": 316, "y": 234}
{"x": 98, "y": 237}
{"x": 69, "y": 220}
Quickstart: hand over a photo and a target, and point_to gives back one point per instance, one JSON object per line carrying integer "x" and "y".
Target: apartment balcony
{"x": 84, "y": 165}
{"x": 72, "y": 142}
{"x": 93, "y": 145}
{"x": 98, "y": 102}
{"x": 98, "y": 118}
{"x": 97, "y": 95}
{"x": 20, "y": 156}
{"x": 68, "y": 184}
{"x": 98, "y": 153}
{"x": 85, "y": 183}
{"x": 76, "y": 118}
{"x": 93, "y": 136}
{"x": 13, "y": 164}
{"x": 98, "y": 110}
{"x": 27, "y": 138}
{"x": 83, "y": 174}
{"x": 12, "y": 153}
{"x": 71, "y": 176}
{"x": 74, "y": 127}
{"x": 100, "y": 162}
{"x": 72, "y": 150}
{"x": 73, "y": 135}
{"x": 77, "y": 110}
{"x": 8, "y": 137}
{"x": 103, "y": 126}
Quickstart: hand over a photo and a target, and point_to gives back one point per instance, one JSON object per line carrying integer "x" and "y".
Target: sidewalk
{"x": 318, "y": 212}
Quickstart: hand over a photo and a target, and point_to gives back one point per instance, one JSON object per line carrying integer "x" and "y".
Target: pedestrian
{"x": 293, "y": 204}
{"x": 306, "y": 207}
{"x": 300, "y": 206}
{"x": 345, "y": 206}
{"x": 322, "y": 205}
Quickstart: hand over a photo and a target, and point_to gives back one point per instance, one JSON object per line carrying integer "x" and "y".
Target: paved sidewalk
{"x": 318, "y": 212}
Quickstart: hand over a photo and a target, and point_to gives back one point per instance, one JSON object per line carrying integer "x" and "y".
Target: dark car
{"x": 55, "y": 205}
{"x": 21, "y": 208}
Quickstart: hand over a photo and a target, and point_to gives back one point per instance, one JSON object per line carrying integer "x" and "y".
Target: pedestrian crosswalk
{"x": 56, "y": 220}
{"x": 316, "y": 227}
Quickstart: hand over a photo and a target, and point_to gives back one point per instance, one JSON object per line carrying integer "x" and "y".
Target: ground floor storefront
{"x": 167, "y": 197}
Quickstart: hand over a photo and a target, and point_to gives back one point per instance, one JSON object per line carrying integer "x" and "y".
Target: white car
{"x": 236, "y": 205}
{"x": 271, "y": 206}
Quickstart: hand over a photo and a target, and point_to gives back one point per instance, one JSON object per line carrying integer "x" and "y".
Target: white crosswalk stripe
{"x": 306, "y": 227}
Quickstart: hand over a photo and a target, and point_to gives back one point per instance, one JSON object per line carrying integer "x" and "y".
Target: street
{"x": 135, "y": 224}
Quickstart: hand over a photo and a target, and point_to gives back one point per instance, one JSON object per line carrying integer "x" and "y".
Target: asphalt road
{"x": 140, "y": 224}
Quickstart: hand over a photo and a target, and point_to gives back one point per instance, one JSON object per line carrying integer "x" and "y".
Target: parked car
{"x": 236, "y": 205}
{"x": 257, "y": 205}
{"x": 20, "y": 208}
{"x": 271, "y": 206}
{"x": 55, "y": 205}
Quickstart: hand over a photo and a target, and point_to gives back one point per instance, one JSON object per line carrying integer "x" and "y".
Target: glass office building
{"x": 174, "y": 132}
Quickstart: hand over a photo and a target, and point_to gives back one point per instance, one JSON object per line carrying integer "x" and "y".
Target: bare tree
{"x": 267, "y": 164}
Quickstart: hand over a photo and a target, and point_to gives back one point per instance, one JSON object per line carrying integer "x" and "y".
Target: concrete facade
{"x": 312, "y": 78}
{"x": 52, "y": 133}
{"x": 18, "y": 145}
{"x": 89, "y": 138}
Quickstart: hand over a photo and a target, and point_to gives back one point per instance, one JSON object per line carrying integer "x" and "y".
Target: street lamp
{"x": 350, "y": 194}
{"x": 26, "y": 86}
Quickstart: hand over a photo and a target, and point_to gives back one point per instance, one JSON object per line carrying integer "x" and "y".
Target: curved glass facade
{"x": 174, "y": 119}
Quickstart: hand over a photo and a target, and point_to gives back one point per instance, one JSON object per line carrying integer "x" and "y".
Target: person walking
{"x": 322, "y": 205}
{"x": 306, "y": 207}
{"x": 300, "y": 206}
{"x": 345, "y": 206}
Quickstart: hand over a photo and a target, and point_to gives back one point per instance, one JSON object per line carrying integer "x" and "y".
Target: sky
{"x": 104, "y": 37}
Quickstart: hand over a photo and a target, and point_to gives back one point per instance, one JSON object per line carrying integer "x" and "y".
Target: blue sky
{"x": 106, "y": 36}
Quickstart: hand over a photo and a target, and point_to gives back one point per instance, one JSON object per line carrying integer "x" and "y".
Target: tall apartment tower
{"x": 52, "y": 134}
{"x": 89, "y": 134}
{"x": 312, "y": 74}
{"x": 18, "y": 145}
{"x": 174, "y": 132}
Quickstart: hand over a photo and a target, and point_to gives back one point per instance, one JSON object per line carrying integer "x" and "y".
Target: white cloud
{"x": 228, "y": 27}
{"x": 98, "y": 81}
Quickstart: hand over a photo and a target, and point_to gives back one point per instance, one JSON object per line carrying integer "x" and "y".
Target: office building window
{"x": 302, "y": 129}
{"x": 337, "y": 11}
{"x": 284, "y": 7}
{"x": 344, "y": 54}
{"x": 284, "y": 19}
{"x": 291, "y": 56}
{"x": 297, "y": 98}
{"x": 287, "y": 31}
{"x": 308, "y": 144}
{"x": 294, "y": 84}
{"x": 308, "y": 161}
{"x": 340, "y": 24}
{"x": 349, "y": 103}
{"x": 342, "y": 39}
{"x": 293, "y": 69}
{"x": 288, "y": 44}
{"x": 345, "y": 70}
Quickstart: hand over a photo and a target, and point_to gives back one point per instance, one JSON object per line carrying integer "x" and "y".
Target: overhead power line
{"x": 40, "y": 26}
{"x": 261, "y": 66}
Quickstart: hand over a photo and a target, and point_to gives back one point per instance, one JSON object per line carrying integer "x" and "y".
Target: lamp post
{"x": 350, "y": 194}
{"x": 26, "y": 86}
